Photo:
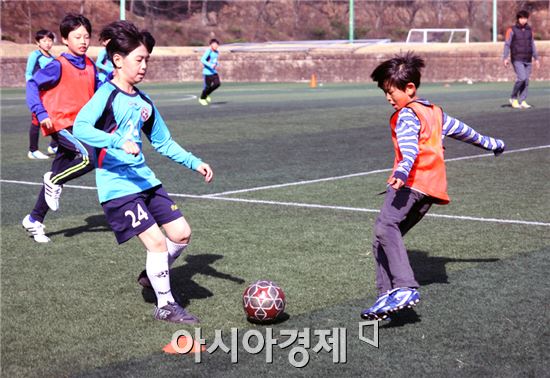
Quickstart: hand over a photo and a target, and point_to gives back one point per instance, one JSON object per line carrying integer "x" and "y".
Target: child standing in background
{"x": 209, "y": 61}
{"x": 520, "y": 50}
{"x": 39, "y": 59}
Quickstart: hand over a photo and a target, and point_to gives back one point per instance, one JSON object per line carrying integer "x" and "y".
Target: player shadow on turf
{"x": 510, "y": 106}
{"x": 402, "y": 318}
{"x": 94, "y": 223}
{"x": 184, "y": 288}
{"x": 278, "y": 320}
{"x": 427, "y": 270}
{"x": 432, "y": 269}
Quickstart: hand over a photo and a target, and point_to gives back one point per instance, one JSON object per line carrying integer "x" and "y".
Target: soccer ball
{"x": 263, "y": 301}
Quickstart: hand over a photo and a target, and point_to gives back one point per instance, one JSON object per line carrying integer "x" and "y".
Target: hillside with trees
{"x": 192, "y": 22}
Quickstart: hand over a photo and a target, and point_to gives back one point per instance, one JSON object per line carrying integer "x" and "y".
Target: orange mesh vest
{"x": 74, "y": 89}
{"x": 427, "y": 174}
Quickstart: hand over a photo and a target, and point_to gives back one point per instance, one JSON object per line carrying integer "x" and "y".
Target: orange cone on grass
{"x": 183, "y": 344}
{"x": 313, "y": 81}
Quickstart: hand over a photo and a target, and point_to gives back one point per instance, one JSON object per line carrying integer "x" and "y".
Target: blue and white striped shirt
{"x": 408, "y": 128}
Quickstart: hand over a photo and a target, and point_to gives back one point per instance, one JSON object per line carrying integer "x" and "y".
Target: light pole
{"x": 351, "y": 20}
{"x": 495, "y": 21}
{"x": 123, "y": 9}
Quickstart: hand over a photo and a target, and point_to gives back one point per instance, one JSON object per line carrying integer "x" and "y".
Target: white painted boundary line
{"x": 217, "y": 196}
{"x": 40, "y": 184}
{"x": 362, "y": 210}
{"x": 297, "y": 183}
{"x": 305, "y": 182}
{"x": 307, "y": 205}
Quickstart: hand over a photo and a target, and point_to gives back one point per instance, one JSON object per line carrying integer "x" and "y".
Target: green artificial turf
{"x": 73, "y": 308}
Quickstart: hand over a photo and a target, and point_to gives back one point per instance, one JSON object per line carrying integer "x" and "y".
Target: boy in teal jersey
{"x": 210, "y": 64}
{"x": 134, "y": 202}
{"x": 37, "y": 60}
{"x": 103, "y": 63}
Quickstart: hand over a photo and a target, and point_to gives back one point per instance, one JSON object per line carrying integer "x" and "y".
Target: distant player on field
{"x": 133, "y": 199}
{"x": 209, "y": 61}
{"x": 39, "y": 59}
{"x": 418, "y": 179}
{"x": 520, "y": 47}
{"x": 103, "y": 64}
{"x": 55, "y": 94}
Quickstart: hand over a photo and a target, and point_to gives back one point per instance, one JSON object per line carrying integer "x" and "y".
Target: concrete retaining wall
{"x": 329, "y": 66}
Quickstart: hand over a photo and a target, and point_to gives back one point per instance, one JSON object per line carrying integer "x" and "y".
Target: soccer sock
{"x": 174, "y": 250}
{"x": 156, "y": 266}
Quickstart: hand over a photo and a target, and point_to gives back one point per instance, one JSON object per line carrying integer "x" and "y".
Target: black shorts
{"x": 133, "y": 214}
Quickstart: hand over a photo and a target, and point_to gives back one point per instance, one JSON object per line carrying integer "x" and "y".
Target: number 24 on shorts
{"x": 137, "y": 218}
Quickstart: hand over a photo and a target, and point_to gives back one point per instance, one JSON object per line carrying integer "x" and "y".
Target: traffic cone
{"x": 313, "y": 81}
{"x": 183, "y": 344}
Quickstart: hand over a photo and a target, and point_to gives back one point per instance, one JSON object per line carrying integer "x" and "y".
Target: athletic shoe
{"x": 510, "y": 100}
{"x": 401, "y": 298}
{"x": 36, "y": 229}
{"x": 143, "y": 280}
{"x": 52, "y": 192}
{"x": 379, "y": 310}
{"x": 515, "y": 104}
{"x": 525, "y": 105}
{"x": 174, "y": 313}
{"x": 203, "y": 102}
{"x": 37, "y": 155}
{"x": 208, "y": 99}
{"x": 52, "y": 150}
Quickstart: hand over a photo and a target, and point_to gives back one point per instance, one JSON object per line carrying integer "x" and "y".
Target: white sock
{"x": 174, "y": 250}
{"x": 156, "y": 266}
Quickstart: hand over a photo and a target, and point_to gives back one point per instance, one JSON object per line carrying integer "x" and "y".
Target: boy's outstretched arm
{"x": 157, "y": 132}
{"x": 456, "y": 129}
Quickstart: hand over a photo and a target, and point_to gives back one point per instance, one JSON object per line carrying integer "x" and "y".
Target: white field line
{"x": 40, "y": 184}
{"x": 305, "y": 182}
{"x": 308, "y": 205}
{"x": 217, "y": 196}
{"x": 185, "y": 97}
{"x": 362, "y": 210}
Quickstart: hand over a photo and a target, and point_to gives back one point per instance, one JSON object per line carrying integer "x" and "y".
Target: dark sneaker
{"x": 143, "y": 280}
{"x": 174, "y": 313}
{"x": 404, "y": 297}
{"x": 379, "y": 310}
